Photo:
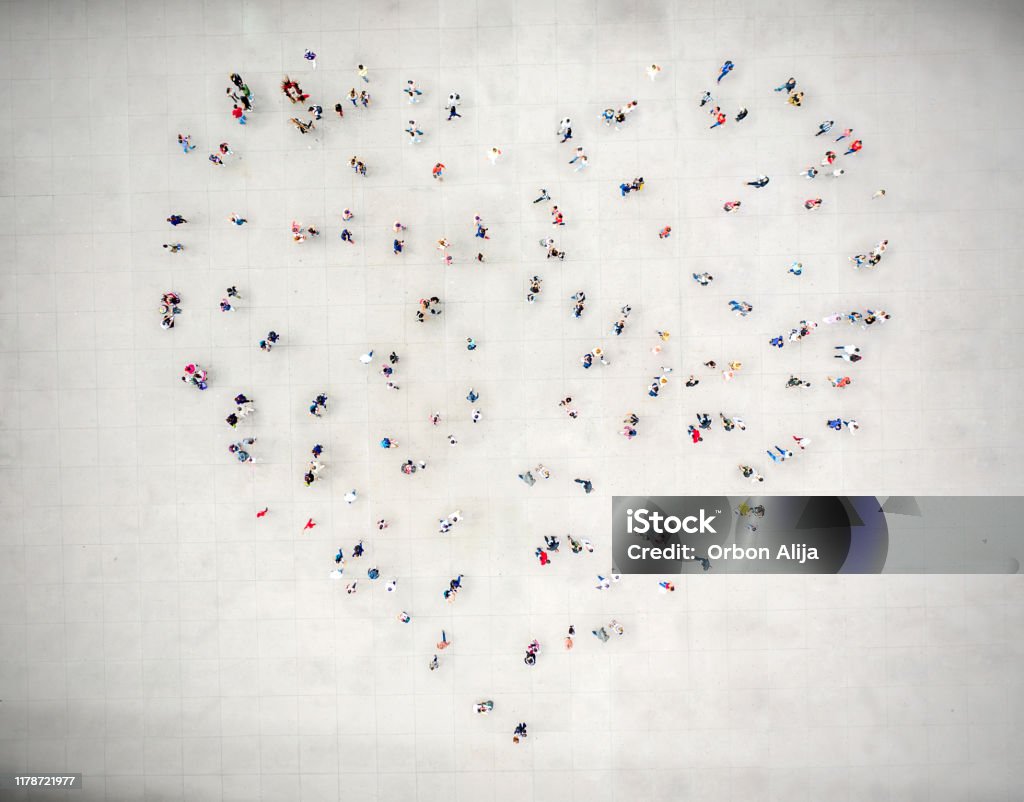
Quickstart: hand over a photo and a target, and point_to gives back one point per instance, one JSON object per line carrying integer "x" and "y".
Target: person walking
{"x": 453, "y": 105}
{"x": 414, "y": 132}
{"x": 412, "y": 92}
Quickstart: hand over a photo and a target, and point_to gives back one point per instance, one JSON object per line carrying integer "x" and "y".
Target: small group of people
{"x": 552, "y": 545}
{"x": 618, "y": 116}
{"x": 871, "y": 259}
{"x": 241, "y": 98}
{"x": 243, "y": 409}
{"x": 588, "y": 358}
{"x": 315, "y": 466}
{"x": 635, "y": 185}
{"x": 793, "y": 97}
{"x": 529, "y": 478}
{"x": 293, "y": 91}
{"x": 169, "y": 308}
{"x": 454, "y": 586}
{"x": 195, "y": 375}
{"x": 433, "y": 305}
{"x": 268, "y": 342}
{"x": 300, "y": 232}
{"x": 613, "y": 626}
{"x": 445, "y": 524}
{"x": 239, "y": 449}
{"x": 866, "y": 318}
{"x": 318, "y": 405}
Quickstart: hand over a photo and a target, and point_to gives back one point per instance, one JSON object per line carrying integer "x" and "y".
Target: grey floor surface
{"x": 159, "y": 638}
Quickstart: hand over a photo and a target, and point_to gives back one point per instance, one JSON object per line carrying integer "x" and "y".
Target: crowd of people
{"x": 242, "y": 105}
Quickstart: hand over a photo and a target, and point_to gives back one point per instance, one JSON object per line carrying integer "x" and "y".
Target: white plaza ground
{"x": 158, "y": 638}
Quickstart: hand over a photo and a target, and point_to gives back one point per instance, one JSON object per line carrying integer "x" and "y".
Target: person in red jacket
{"x": 854, "y": 147}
